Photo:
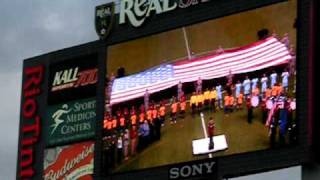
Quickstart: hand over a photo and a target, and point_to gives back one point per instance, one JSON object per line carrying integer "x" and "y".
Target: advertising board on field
{"x": 69, "y": 162}
{"x": 71, "y": 121}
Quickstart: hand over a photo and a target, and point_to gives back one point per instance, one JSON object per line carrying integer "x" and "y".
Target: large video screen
{"x": 216, "y": 88}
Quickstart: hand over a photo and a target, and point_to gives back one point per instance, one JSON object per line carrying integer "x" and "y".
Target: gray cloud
{"x": 31, "y": 28}
{"x": 37, "y": 27}
{"x": 9, "y": 123}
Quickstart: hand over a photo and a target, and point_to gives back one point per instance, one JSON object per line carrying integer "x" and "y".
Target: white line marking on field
{"x": 204, "y": 129}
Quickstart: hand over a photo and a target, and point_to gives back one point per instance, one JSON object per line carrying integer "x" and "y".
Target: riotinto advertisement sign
{"x": 71, "y": 121}
{"x": 69, "y": 162}
{"x": 31, "y": 121}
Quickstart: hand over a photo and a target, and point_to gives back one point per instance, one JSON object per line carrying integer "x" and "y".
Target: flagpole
{"x": 186, "y": 42}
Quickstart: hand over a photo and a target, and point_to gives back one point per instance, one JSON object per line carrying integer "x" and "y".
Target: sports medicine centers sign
{"x": 71, "y": 121}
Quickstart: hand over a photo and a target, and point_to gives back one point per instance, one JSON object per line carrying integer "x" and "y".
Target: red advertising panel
{"x": 69, "y": 162}
{"x": 31, "y": 120}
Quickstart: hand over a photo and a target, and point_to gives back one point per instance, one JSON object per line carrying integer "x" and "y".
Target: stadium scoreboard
{"x": 68, "y": 96}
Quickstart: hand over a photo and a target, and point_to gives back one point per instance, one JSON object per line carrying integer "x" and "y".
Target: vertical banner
{"x": 30, "y": 140}
{"x": 71, "y": 162}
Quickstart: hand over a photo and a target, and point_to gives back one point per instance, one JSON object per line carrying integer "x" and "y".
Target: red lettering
{"x": 82, "y": 79}
{"x": 32, "y": 92}
{"x": 29, "y": 141}
{"x": 93, "y": 76}
{"x": 26, "y": 157}
{"x": 90, "y": 78}
{"x": 26, "y": 173}
{"x": 33, "y": 128}
{"x": 87, "y": 77}
{"x": 31, "y": 88}
{"x": 29, "y": 108}
{"x": 34, "y": 75}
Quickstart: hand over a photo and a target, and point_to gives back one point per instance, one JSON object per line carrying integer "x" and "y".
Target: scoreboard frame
{"x": 31, "y": 142}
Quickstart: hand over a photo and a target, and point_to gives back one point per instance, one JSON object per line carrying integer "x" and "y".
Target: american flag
{"x": 256, "y": 56}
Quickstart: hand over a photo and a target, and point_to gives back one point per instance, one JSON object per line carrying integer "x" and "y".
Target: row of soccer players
{"x": 124, "y": 119}
{"x": 215, "y": 96}
{"x": 248, "y": 85}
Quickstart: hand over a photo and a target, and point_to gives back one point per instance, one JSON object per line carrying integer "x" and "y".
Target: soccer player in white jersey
{"x": 246, "y": 85}
{"x": 285, "y": 80}
{"x": 254, "y": 82}
{"x": 219, "y": 93}
{"x": 238, "y": 89}
{"x": 273, "y": 78}
{"x": 264, "y": 82}
{"x": 199, "y": 85}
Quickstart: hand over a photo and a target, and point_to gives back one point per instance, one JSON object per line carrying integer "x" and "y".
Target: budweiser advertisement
{"x": 72, "y": 162}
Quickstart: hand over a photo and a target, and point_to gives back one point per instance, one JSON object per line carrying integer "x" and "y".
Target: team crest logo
{"x": 104, "y": 16}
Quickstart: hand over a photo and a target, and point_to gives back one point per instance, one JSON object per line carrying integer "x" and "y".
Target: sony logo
{"x": 191, "y": 170}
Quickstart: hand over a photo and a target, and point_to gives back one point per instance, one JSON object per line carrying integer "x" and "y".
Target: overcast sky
{"x": 30, "y": 28}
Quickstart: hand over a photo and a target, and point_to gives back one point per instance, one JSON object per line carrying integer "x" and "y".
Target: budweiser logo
{"x": 65, "y": 166}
